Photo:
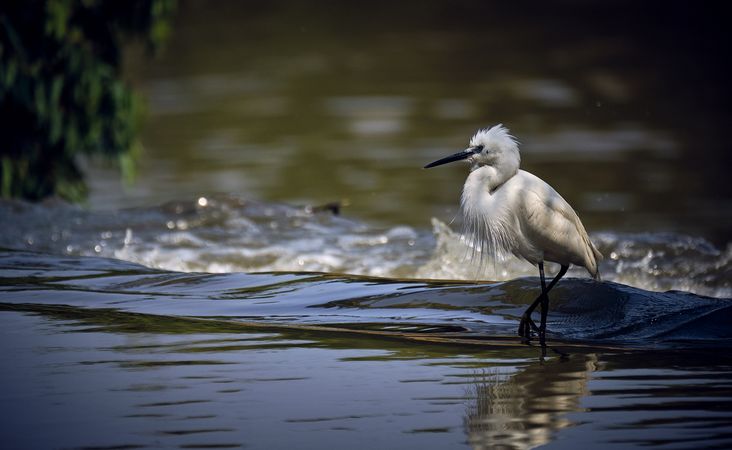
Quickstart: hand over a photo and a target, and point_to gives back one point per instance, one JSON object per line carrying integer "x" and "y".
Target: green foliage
{"x": 61, "y": 95}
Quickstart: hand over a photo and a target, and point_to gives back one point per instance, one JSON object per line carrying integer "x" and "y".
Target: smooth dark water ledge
{"x": 583, "y": 312}
{"x": 86, "y": 377}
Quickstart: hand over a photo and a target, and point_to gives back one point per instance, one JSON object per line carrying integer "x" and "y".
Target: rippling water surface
{"x": 119, "y": 335}
{"x": 230, "y": 233}
{"x": 220, "y": 301}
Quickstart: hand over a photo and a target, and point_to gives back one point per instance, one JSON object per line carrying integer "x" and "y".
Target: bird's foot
{"x": 542, "y": 334}
{"x": 526, "y": 326}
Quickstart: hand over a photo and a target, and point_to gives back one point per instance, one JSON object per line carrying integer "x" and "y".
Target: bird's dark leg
{"x": 561, "y": 273}
{"x": 527, "y": 323}
{"x": 544, "y": 305}
{"x": 545, "y": 302}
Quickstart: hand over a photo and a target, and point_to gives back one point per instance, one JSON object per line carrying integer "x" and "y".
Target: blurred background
{"x": 622, "y": 106}
{"x": 158, "y": 284}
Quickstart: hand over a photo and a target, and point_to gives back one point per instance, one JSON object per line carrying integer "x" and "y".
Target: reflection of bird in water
{"x": 508, "y": 210}
{"x": 526, "y": 409}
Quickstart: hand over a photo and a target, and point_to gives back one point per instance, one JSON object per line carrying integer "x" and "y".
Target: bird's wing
{"x": 555, "y": 227}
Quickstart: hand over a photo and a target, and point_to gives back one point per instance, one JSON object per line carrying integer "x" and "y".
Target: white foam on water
{"x": 229, "y": 234}
{"x": 651, "y": 261}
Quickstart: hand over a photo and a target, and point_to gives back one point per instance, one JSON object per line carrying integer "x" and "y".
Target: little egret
{"x": 511, "y": 211}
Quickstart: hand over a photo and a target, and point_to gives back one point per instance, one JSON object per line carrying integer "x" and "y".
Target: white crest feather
{"x": 497, "y": 134}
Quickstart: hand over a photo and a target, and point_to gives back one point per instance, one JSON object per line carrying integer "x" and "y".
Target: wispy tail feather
{"x": 597, "y": 256}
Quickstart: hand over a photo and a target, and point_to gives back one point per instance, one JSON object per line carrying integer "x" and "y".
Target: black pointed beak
{"x": 448, "y": 159}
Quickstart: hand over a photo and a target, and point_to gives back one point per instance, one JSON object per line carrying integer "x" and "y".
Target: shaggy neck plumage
{"x": 499, "y": 170}
{"x": 491, "y": 237}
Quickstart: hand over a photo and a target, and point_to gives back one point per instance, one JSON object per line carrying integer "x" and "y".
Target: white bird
{"x": 510, "y": 211}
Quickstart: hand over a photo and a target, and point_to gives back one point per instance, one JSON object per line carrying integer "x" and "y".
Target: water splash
{"x": 230, "y": 234}
{"x": 583, "y": 312}
{"x": 651, "y": 261}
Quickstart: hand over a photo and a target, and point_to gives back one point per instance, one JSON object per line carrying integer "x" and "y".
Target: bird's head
{"x": 488, "y": 147}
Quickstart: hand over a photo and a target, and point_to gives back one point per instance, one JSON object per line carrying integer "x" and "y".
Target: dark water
{"x": 206, "y": 306}
{"x": 102, "y": 353}
{"x": 287, "y": 101}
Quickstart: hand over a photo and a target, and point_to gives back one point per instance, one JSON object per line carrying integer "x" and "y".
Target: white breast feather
{"x": 489, "y": 225}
